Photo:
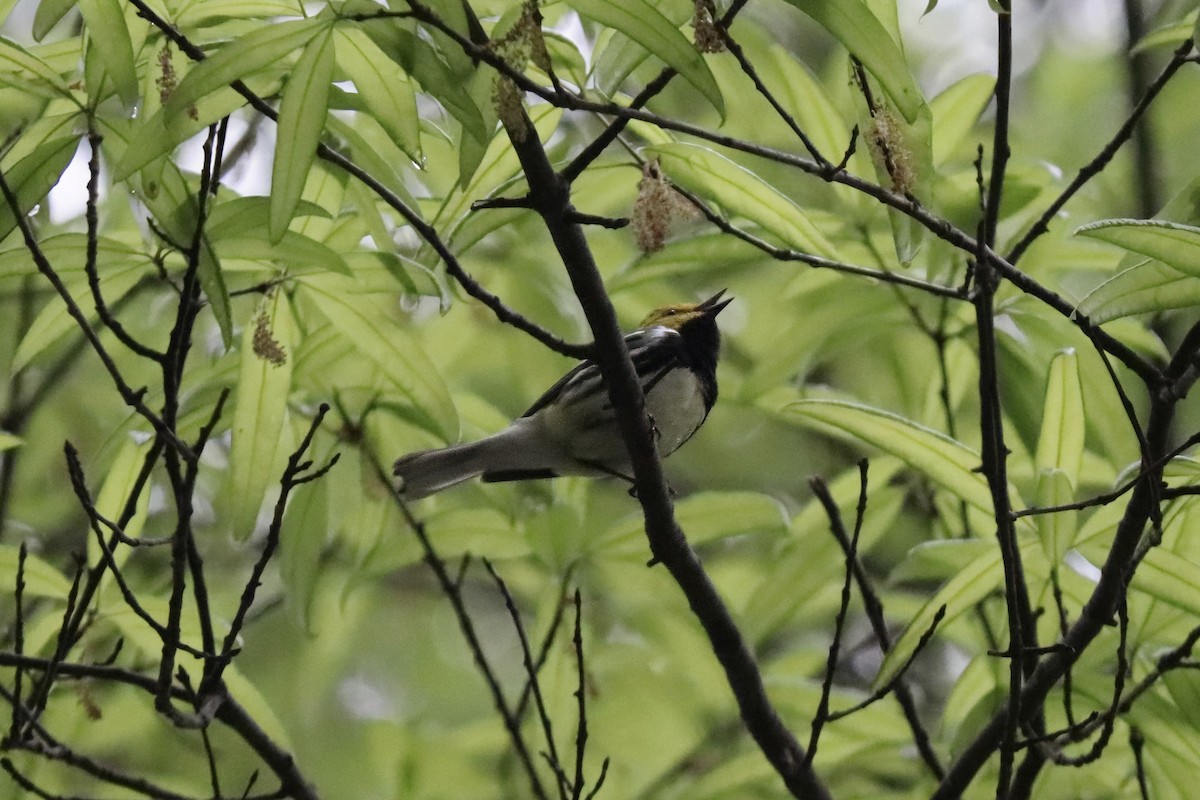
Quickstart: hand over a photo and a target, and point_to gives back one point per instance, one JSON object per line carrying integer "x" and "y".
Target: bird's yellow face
{"x": 673, "y": 316}
{"x": 677, "y": 315}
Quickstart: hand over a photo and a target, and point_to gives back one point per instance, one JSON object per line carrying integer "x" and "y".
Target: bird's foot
{"x": 633, "y": 492}
{"x": 654, "y": 428}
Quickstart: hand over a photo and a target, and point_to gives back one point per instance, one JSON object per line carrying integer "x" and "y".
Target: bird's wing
{"x": 646, "y": 349}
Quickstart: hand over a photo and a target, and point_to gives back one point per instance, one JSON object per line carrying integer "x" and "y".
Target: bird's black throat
{"x": 702, "y": 345}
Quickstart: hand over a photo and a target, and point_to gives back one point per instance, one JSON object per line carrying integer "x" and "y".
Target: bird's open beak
{"x": 713, "y": 305}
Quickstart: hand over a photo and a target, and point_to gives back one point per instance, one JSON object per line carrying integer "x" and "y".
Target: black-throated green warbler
{"x": 571, "y": 429}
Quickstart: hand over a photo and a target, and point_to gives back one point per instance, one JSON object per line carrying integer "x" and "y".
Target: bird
{"x": 572, "y": 430}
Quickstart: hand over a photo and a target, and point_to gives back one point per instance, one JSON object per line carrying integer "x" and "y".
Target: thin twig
{"x": 292, "y": 477}
{"x": 588, "y": 155}
{"x": 752, "y": 73}
{"x": 67, "y": 629}
{"x": 1095, "y": 614}
{"x": 79, "y": 486}
{"x": 547, "y": 640}
{"x": 1106, "y": 154}
{"x": 231, "y": 713}
{"x": 821, "y": 715}
{"x": 891, "y": 685}
{"x": 534, "y": 684}
{"x": 103, "y": 312}
{"x": 581, "y": 725}
{"x": 1063, "y": 627}
{"x": 1109, "y": 717}
{"x": 1136, "y": 742}
{"x": 182, "y": 474}
{"x": 873, "y": 608}
{"x": 14, "y": 728}
{"x": 817, "y": 262}
{"x": 454, "y": 594}
{"x": 132, "y": 398}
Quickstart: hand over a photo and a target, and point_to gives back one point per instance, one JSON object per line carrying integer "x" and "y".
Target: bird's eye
{"x": 670, "y": 312}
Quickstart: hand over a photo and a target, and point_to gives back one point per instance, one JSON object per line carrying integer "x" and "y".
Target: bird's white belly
{"x": 588, "y": 433}
{"x": 676, "y": 405}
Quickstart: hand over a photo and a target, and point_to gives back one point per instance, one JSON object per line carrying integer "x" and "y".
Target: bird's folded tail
{"x": 429, "y": 471}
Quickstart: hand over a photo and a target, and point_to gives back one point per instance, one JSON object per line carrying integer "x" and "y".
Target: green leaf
{"x": 1144, "y": 284}
{"x": 498, "y": 165}
{"x": 401, "y": 360}
{"x": 32, "y": 178}
{"x": 295, "y": 252}
{"x": 172, "y": 201}
{"x": 1170, "y": 578}
{"x": 383, "y": 86}
{"x": 263, "y": 47}
{"x": 1172, "y": 34}
{"x": 419, "y": 59}
{"x": 373, "y": 150}
{"x": 1176, "y": 245}
{"x": 67, "y": 252}
{"x": 306, "y": 531}
{"x": 1057, "y": 530}
{"x": 367, "y": 208}
{"x": 41, "y": 579}
{"x": 8, "y": 441}
{"x": 646, "y": 25}
{"x": 938, "y": 561}
{"x": 163, "y": 131}
{"x": 946, "y": 462}
{"x": 955, "y": 112}
{"x": 616, "y": 56}
{"x": 238, "y": 216}
{"x": 796, "y": 578}
{"x": 471, "y": 151}
{"x": 1148, "y": 286}
{"x": 54, "y": 321}
{"x": 806, "y": 99}
{"x": 257, "y": 707}
{"x": 237, "y": 229}
{"x": 301, "y": 122}
{"x": 458, "y": 531}
{"x": 18, "y": 66}
{"x": 327, "y": 188}
{"x": 741, "y": 192}
{"x": 980, "y": 577}
{"x": 860, "y": 31}
{"x": 800, "y": 341}
{"x": 114, "y": 494}
{"x": 712, "y": 256}
{"x": 264, "y": 382}
{"x": 707, "y": 516}
{"x": 109, "y": 34}
{"x": 1184, "y": 686}
{"x": 49, "y": 13}
{"x": 192, "y": 15}
{"x": 1060, "y": 444}
{"x": 568, "y": 62}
